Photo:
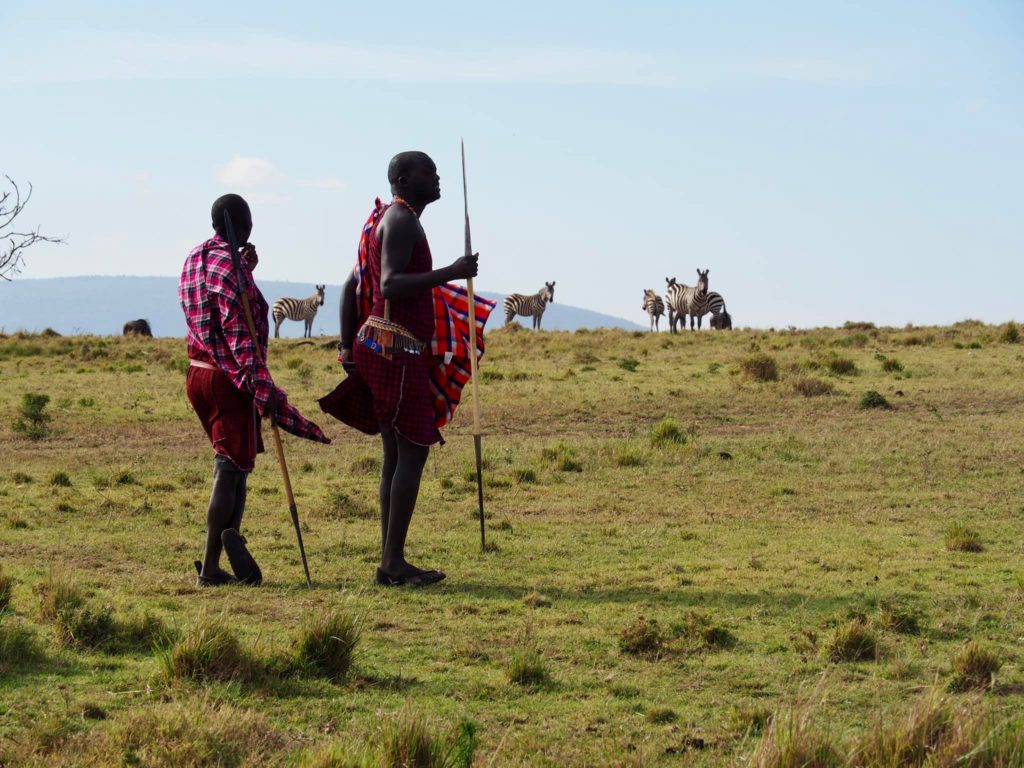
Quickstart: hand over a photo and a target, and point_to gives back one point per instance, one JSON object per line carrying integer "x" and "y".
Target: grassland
{"x": 690, "y": 534}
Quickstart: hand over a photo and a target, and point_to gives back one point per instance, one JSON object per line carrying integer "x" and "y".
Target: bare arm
{"x": 347, "y": 311}
{"x": 400, "y": 232}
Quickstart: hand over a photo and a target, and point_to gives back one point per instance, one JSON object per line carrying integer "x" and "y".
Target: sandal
{"x": 242, "y": 562}
{"x": 416, "y": 578}
{"x": 219, "y": 580}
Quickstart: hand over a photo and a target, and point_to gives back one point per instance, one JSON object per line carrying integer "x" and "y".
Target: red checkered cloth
{"x": 218, "y": 334}
{"x": 446, "y": 364}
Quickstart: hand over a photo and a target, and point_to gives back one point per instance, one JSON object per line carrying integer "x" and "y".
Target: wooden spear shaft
{"x": 473, "y": 364}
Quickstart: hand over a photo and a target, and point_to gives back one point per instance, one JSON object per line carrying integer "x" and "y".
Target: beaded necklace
{"x": 402, "y": 201}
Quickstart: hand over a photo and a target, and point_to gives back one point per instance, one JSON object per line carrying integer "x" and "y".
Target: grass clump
{"x": 207, "y": 651}
{"x": 525, "y": 476}
{"x": 629, "y": 364}
{"x": 32, "y": 420}
{"x": 667, "y": 432}
{"x": 20, "y": 478}
{"x": 760, "y": 367}
{"x": 749, "y": 719}
{"x": 841, "y": 366}
{"x": 536, "y": 600}
{"x": 76, "y": 623}
{"x": 60, "y": 479}
{"x": 961, "y": 538}
{"x": 6, "y": 590}
{"x": 628, "y": 458}
{"x": 1010, "y": 334}
{"x": 526, "y": 666}
{"x": 891, "y": 365}
{"x": 873, "y": 399}
{"x": 661, "y": 716}
{"x": 852, "y": 641}
{"x": 405, "y": 740}
{"x": 18, "y": 645}
{"x": 341, "y": 506}
{"x": 974, "y": 668}
{"x": 809, "y": 386}
{"x": 702, "y": 634}
{"x": 365, "y": 465}
{"x": 327, "y": 644}
{"x": 643, "y": 637}
{"x": 794, "y": 739}
{"x": 896, "y": 616}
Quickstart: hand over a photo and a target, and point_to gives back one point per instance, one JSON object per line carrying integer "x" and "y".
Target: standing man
{"x": 401, "y": 383}
{"x": 229, "y": 385}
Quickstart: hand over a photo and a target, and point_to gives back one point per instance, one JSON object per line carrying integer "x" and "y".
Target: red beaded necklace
{"x": 402, "y": 201}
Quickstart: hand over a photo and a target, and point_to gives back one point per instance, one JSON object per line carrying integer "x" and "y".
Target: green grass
{"x": 826, "y": 514}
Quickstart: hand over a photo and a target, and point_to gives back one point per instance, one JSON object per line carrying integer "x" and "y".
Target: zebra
{"x": 530, "y": 306}
{"x": 685, "y": 300}
{"x": 722, "y": 321}
{"x": 654, "y": 307}
{"x": 298, "y": 309}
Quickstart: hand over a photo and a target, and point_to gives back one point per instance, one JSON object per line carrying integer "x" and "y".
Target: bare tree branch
{"x": 13, "y": 244}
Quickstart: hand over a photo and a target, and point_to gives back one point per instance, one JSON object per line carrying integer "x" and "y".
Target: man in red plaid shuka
{"x": 229, "y": 385}
{"x": 403, "y": 346}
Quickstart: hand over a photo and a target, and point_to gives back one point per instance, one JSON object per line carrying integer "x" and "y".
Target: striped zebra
{"x": 654, "y": 307}
{"x": 686, "y": 300}
{"x": 298, "y": 309}
{"x": 529, "y": 306}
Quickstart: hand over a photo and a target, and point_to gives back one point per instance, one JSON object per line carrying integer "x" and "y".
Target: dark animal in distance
{"x": 138, "y": 327}
{"x": 298, "y": 309}
{"x": 722, "y": 321}
{"x": 529, "y": 306}
{"x": 654, "y": 307}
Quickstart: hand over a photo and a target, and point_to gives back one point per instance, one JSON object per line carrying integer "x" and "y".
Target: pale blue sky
{"x": 826, "y": 160}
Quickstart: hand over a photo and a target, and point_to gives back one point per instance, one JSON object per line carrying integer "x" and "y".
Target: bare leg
{"x": 387, "y": 476}
{"x": 405, "y": 488}
{"x": 220, "y": 513}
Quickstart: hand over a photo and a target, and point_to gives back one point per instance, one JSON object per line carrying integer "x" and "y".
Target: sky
{"x": 827, "y": 161}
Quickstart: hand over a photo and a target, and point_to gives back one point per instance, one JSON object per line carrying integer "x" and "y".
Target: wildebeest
{"x": 722, "y": 321}
{"x": 138, "y": 327}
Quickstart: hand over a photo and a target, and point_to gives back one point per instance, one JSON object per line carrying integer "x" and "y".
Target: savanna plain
{"x": 791, "y": 548}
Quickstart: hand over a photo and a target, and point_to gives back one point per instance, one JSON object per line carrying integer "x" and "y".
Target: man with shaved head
{"x": 388, "y": 324}
{"x": 229, "y": 385}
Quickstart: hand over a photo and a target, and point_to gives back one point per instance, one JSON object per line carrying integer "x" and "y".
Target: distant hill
{"x": 101, "y": 305}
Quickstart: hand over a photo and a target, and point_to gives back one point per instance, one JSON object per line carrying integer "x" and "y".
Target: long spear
{"x": 236, "y": 262}
{"x": 473, "y": 363}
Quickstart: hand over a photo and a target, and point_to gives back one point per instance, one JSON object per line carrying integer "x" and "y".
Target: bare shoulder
{"x": 398, "y": 221}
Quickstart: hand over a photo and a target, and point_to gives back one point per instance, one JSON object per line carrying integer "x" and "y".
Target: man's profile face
{"x": 423, "y": 181}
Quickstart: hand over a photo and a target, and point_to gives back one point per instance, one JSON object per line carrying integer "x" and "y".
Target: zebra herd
{"x": 684, "y": 301}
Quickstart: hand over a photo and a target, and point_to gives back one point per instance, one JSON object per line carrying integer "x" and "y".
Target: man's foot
{"x": 242, "y": 563}
{"x": 410, "y": 576}
{"x": 218, "y": 579}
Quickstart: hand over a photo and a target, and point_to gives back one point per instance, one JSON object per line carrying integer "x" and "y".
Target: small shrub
{"x": 526, "y": 665}
{"x": 974, "y": 667}
{"x": 714, "y": 368}
{"x": 667, "y": 432}
{"x": 852, "y": 641}
{"x": 808, "y": 386}
{"x": 60, "y": 479}
{"x": 961, "y": 538}
{"x": 6, "y": 590}
{"x": 327, "y": 644}
{"x": 858, "y": 325}
{"x": 32, "y": 420}
{"x": 841, "y": 366}
{"x": 207, "y": 651}
{"x": 873, "y": 399}
{"x": 760, "y": 367}
{"x": 891, "y": 365}
{"x": 629, "y": 364}
{"x": 642, "y": 638}
{"x": 974, "y": 345}
{"x": 661, "y": 716}
{"x": 1010, "y": 334}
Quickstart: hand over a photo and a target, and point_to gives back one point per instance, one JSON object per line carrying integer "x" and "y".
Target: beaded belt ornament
{"x": 385, "y": 338}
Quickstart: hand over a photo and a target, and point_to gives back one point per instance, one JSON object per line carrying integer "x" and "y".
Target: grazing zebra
{"x": 298, "y": 309}
{"x": 654, "y": 307}
{"x": 529, "y": 306}
{"x": 686, "y": 300}
{"x": 722, "y": 321}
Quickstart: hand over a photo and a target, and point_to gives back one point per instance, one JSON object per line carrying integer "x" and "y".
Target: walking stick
{"x": 473, "y": 364}
{"x": 235, "y": 260}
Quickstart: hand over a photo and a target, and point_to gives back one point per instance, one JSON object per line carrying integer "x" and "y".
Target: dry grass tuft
{"x": 961, "y": 538}
{"x": 327, "y": 644}
{"x": 808, "y": 386}
{"x": 207, "y": 651}
{"x": 974, "y": 668}
{"x": 643, "y": 637}
{"x": 760, "y": 367}
{"x": 852, "y": 641}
